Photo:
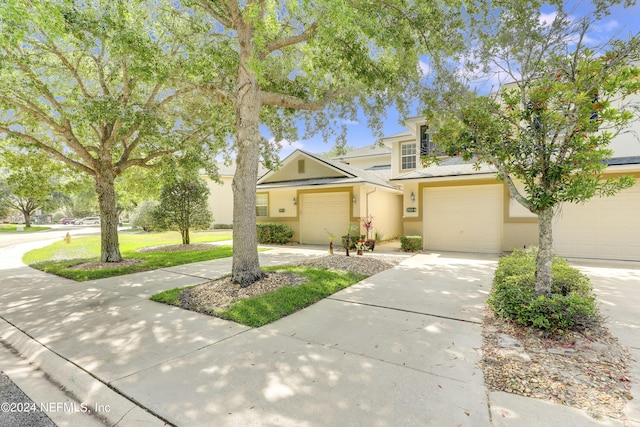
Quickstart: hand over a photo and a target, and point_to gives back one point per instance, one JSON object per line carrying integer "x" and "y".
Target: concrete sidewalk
{"x": 400, "y": 348}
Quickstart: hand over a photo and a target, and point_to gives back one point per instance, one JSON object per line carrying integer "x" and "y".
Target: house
{"x": 452, "y": 205}
{"x": 317, "y": 196}
{"x": 220, "y": 199}
{"x": 455, "y": 207}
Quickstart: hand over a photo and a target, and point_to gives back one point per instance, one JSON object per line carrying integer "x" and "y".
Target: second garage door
{"x": 463, "y": 219}
{"x": 320, "y": 212}
{"x": 607, "y": 228}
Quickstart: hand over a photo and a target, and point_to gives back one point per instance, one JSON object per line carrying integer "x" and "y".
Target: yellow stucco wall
{"x": 221, "y": 200}
{"x": 386, "y": 208}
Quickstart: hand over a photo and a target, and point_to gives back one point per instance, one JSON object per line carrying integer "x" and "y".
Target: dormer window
{"x": 408, "y": 155}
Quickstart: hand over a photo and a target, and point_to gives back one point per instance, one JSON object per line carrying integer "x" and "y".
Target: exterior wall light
{"x": 354, "y": 199}
{"x": 412, "y": 197}
{"x": 294, "y": 201}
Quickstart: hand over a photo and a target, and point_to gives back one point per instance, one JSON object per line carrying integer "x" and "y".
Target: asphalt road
{"x": 57, "y": 232}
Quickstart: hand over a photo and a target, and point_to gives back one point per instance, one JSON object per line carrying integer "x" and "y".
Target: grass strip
{"x": 263, "y": 309}
{"x": 13, "y": 228}
{"x": 60, "y": 257}
{"x": 150, "y": 261}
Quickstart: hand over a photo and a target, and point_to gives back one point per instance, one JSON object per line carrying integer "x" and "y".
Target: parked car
{"x": 67, "y": 221}
{"x": 88, "y": 220}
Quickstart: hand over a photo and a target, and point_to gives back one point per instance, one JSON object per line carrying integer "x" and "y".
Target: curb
{"x": 87, "y": 395}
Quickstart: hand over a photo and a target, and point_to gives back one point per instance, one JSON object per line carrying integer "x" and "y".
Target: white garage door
{"x": 467, "y": 219}
{"x": 320, "y": 212}
{"x": 607, "y": 228}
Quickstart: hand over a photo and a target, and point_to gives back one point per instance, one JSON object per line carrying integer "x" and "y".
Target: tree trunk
{"x": 110, "y": 248}
{"x": 545, "y": 252}
{"x": 27, "y": 219}
{"x": 246, "y": 265}
{"x": 186, "y": 239}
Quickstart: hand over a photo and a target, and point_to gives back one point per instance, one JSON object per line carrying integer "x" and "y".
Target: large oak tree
{"x": 273, "y": 61}
{"x": 93, "y": 84}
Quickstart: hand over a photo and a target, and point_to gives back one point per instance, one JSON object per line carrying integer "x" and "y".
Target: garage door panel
{"x": 606, "y": 228}
{"x": 320, "y": 212}
{"x": 465, "y": 218}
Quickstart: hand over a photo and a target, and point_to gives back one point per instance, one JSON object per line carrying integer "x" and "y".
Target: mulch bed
{"x": 588, "y": 370}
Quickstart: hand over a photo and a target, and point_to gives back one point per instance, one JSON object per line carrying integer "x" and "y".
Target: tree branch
{"x": 288, "y": 41}
{"x": 144, "y": 163}
{"x": 289, "y": 101}
{"x": 57, "y": 154}
{"x": 217, "y": 15}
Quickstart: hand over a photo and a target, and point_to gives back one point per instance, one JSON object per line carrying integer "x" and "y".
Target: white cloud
{"x": 289, "y": 147}
{"x": 350, "y": 122}
{"x": 424, "y": 68}
{"x": 548, "y": 18}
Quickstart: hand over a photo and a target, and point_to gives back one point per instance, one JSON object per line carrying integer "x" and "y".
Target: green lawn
{"x": 11, "y": 228}
{"x": 263, "y": 309}
{"x": 60, "y": 256}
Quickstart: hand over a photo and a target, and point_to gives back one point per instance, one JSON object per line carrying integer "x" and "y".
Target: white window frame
{"x": 262, "y": 205}
{"x": 408, "y": 158}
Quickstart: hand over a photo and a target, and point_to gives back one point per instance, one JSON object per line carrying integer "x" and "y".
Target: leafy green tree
{"x": 551, "y": 125}
{"x": 31, "y": 181}
{"x": 95, "y": 85}
{"x": 183, "y": 206}
{"x": 272, "y": 62}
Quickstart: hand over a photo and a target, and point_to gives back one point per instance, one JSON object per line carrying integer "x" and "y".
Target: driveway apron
{"x": 399, "y": 348}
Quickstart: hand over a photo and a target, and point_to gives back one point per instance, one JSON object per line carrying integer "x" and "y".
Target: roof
{"x": 457, "y": 166}
{"x": 229, "y": 169}
{"x": 623, "y": 161}
{"x": 452, "y": 166}
{"x": 351, "y": 175}
{"x": 368, "y": 151}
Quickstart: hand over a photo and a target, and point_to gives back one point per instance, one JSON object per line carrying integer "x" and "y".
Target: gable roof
{"x": 344, "y": 174}
{"x": 452, "y": 166}
{"x": 368, "y": 151}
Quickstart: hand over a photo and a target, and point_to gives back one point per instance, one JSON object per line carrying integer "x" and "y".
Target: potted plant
{"x": 367, "y": 223}
{"x": 348, "y": 241}
{"x": 361, "y": 246}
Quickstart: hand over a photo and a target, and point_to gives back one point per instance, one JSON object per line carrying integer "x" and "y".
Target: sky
{"x": 620, "y": 23}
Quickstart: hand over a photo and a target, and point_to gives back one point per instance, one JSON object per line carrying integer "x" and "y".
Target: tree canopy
{"x": 95, "y": 85}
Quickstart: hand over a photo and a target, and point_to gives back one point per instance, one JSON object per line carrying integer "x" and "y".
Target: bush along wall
{"x": 274, "y": 233}
{"x": 411, "y": 243}
{"x": 571, "y": 305}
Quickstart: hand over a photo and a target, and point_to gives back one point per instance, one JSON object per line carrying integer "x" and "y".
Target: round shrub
{"x": 274, "y": 233}
{"x": 571, "y": 304}
{"x": 411, "y": 243}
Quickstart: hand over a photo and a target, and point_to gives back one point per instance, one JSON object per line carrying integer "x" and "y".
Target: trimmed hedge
{"x": 571, "y": 305}
{"x": 223, "y": 226}
{"x": 411, "y": 243}
{"x": 274, "y": 233}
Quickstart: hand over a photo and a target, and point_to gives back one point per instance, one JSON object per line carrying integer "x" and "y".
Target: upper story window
{"x": 408, "y": 155}
{"x": 262, "y": 205}
{"x": 426, "y": 146}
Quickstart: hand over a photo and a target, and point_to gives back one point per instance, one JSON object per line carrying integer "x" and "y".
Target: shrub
{"x": 411, "y": 243}
{"x": 143, "y": 215}
{"x": 223, "y": 226}
{"x": 571, "y": 304}
{"x": 274, "y": 233}
{"x": 354, "y": 238}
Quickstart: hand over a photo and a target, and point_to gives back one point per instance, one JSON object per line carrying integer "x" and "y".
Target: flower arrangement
{"x": 367, "y": 223}
{"x": 362, "y": 245}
